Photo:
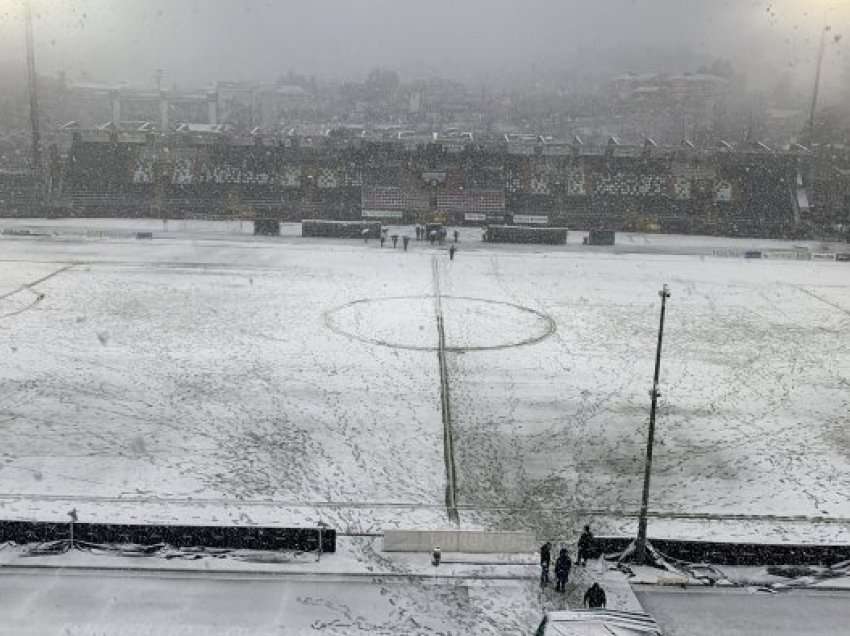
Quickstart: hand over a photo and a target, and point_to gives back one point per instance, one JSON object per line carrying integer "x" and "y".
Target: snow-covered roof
{"x": 94, "y": 86}
{"x": 135, "y": 125}
{"x": 291, "y": 90}
{"x": 700, "y": 77}
{"x": 203, "y": 128}
{"x": 636, "y": 77}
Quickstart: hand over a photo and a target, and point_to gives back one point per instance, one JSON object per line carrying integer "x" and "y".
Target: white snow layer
{"x": 228, "y": 379}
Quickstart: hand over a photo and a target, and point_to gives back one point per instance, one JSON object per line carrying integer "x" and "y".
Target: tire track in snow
{"x": 29, "y": 286}
{"x": 823, "y": 300}
{"x": 39, "y": 296}
{"x": 445, "y": 405}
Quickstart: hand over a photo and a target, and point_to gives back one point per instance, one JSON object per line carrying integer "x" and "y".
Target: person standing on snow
{"x": 595, "y": 597}
{"x": 546, "y": 554}
{"x": 452, "y": 251}
{"x": 545, "y": 561}
{"x": 584, "y": 543}
{"x": 562, "y": 570}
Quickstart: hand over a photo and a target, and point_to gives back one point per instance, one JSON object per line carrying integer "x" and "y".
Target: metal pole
{"x": 73, "y": 515}
{"x": 319, "y": 552}
{"x": 33, "y": 94}
{"x": 816, "y": 89}
{"x": 640, "y": 548}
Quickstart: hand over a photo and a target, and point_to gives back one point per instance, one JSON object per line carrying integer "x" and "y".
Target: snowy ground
{"x": 212, "y": 381}
{"x": 356, "y": 591}
{"x": 208, "y": 376}
{"x": 755, "y": 379}
{"x": 120, "y": 604}
{"x": 746, "y": 612}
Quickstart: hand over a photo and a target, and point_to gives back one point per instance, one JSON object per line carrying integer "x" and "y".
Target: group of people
{"x": 420, "y": 235}
{"x": 423, "y": 234}
{"x": 435, "y": 234}
{"x": 594, "y": 596}
{"x": 404, "y": 239}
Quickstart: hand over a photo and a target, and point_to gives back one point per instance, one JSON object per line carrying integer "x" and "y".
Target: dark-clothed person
{"x": 546, "y": 554}
{"x": 585, "y": 541}
{"x": 562, "y": 570}
{"x": 594, "y": 597}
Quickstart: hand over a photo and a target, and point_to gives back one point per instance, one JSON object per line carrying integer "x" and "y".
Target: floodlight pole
{"x": 640, "y": 547}
{"x": 32, "y": 85}
{"x": 816, "y": 90}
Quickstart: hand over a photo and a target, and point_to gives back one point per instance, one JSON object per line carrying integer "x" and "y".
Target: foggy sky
{"x": 198, "y": 41}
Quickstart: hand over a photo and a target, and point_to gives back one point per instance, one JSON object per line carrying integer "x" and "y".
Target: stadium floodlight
{"x": 32, "y": 86}
{"x": 640, "y": 547}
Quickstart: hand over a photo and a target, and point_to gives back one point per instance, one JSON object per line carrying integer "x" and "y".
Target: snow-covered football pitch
{"x": 213, "y": 377}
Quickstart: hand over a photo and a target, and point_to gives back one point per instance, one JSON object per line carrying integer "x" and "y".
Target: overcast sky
{"x": 197, "y": 41}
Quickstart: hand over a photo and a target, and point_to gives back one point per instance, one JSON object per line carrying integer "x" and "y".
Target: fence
{"x": 229, "y": 537}
{"x": 723, "y": 553}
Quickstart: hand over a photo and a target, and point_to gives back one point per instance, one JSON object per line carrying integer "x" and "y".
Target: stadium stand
{"x": 751, "y": 190}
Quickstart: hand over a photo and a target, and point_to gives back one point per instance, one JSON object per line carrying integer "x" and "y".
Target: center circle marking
{"x": 409, "y": 322}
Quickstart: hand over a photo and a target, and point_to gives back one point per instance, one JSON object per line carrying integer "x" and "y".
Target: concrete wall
{"x": 458, "y": 541}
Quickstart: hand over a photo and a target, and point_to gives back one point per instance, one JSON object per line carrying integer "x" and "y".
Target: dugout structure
{"x": 267, "y": 227}
{"x": 601, "y": 237}
{"x": 340, "y": 229}
{"x": 523, "y": 234}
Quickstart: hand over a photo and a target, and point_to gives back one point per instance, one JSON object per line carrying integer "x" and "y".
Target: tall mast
{"x": 33, "y": 91}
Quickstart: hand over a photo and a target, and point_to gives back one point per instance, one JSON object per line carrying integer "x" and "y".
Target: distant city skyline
{"x": 477, "y": 41}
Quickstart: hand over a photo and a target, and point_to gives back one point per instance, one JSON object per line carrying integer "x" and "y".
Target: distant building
{"x": 668, "y": 107}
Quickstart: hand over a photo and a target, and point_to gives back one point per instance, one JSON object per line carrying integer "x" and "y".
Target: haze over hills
{"x": 482, "y": 42}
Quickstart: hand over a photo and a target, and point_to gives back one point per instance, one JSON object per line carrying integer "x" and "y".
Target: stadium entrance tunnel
{"x": 267, "y": 227}
{"x": 409, "y": 322}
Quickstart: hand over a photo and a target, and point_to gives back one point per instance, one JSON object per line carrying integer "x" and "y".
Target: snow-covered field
{"x": 213, "y": 377}
{"x": 755, "y": 388}
{"x": 210, "y": 382}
